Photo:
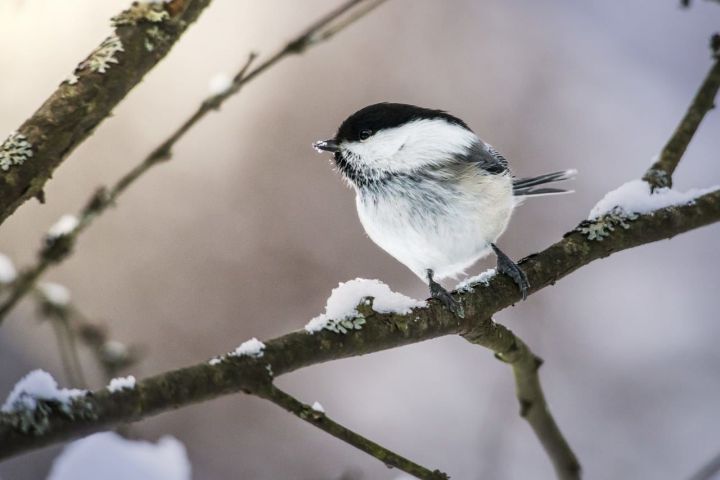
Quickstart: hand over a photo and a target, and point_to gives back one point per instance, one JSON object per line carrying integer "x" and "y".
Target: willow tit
{"x": 429, "y": 192}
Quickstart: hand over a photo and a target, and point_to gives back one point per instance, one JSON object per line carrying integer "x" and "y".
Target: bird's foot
{"x": 438, "y": 292}
{"x": 511, "y": 269}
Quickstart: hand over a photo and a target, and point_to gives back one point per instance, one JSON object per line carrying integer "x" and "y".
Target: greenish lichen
{"x": 345, "y": 325}
{"x": 150, "y": 12}
{"x": 602, "y": 227}
{"x": 154, "y": 36}
{"x": 36, "y": 421}
{"x": 100, "y": 60}
{"x": 15, "y": 150}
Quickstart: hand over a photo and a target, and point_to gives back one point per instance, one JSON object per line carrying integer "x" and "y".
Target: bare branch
{"x": 320, "y": 420}
{"x": 533, "y": 407}
{"x": 709, "y": 470}
{"x": 296, "y": 350}
{"x": 143, "y": 35}
{"x": 59, "y": 249}
{"x": 660, "y": 173}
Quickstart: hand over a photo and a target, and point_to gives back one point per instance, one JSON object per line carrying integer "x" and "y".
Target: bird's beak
{"x": 326, "y": 146}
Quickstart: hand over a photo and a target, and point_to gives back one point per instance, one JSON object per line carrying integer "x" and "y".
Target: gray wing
{"x": 485, "y": 157}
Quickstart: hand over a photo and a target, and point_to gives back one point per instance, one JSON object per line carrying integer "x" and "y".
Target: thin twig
{"x": 320, "y": 420}
{"x": 57, "y": 315}
{"x": 58, "y": 250}
{"x": 533, "y": 407}
{"x": 709, "y": 470}
{"x": 68, "y": 353}
{"x": 72, "y": 326}
{"x": 111, "y": 355}
{"x": 661, "y": 172}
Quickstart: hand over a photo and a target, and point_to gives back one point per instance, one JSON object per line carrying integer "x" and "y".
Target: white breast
{"x": 443, "y": 225}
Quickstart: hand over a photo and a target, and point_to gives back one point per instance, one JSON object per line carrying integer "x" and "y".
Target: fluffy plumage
{"x": 428, "y": 190}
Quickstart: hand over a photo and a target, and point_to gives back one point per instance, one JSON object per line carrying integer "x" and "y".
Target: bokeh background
{"x": 247, "y": 230}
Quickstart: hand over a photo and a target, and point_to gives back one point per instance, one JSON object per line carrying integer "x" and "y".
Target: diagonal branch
{"x": 296, "y": 350}
{"x": 533, "y": 407}
{"x": 660, "y": 173}
{"x": 709, "y": 470}
{"x": 320, "y": 420}
{"x": 143, "y": 35}
{"x": 57, "y": 251}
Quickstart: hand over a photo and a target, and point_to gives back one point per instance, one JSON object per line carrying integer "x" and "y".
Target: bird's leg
{"x": 511, "y": 269}
{"x": 437, "y": 291}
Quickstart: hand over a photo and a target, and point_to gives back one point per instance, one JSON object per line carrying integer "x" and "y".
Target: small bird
{"x": 431, "y": 193}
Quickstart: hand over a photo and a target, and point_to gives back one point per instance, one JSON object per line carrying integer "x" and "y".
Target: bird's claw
{"x": 438, "y": 292}
{"x": 511, "y": 269}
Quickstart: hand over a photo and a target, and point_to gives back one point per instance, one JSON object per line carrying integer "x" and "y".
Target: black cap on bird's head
{"x": 364, "y": 123}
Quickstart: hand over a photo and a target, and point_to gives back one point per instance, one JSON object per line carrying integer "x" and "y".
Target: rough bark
{"x": 73, "y": 111}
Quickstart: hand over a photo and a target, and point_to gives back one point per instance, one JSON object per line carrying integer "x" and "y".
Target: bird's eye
{"x": 365, "y": 134}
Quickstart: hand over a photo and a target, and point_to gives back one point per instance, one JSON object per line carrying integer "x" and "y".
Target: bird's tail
{"x": 524, "y": 187}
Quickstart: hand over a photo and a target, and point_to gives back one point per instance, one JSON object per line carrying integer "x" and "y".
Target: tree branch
{"x": 320, "y": 420}
{"x": 533, "y": 407}
{"x": 660, "y": 173}
{"x": 59, "y": 249}
{"x": 709, "y": 470}
{"x": 143, "y": 35}
{"x": 299, "y": 349}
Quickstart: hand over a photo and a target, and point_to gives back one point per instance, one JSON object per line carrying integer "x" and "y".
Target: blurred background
{"x": 245, "y": 232}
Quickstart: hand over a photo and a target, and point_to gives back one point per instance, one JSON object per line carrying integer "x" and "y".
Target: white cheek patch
{"x": 411, "y": 146}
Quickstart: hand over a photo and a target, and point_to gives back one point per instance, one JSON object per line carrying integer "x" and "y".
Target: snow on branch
{"x": 636, "y": 196}
{"x": 341, "y": 314}
{"x": 381, "y": 331}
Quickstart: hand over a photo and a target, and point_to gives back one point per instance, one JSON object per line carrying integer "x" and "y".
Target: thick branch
{"x": 320, "y": 420}
{"x": 533, "y": 407}
{"x": 98, "y": 84}
{"x": 381, "y": 331}
{"x": 660, "y": 173}
{"x": 49, "y": 255}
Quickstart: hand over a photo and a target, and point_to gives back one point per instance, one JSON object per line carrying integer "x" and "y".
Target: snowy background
{"x": 245, "y": 233}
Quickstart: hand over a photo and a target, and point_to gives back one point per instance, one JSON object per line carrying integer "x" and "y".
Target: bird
{"x": 430, "y": 192}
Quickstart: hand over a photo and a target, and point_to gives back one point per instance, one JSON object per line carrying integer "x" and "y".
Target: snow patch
{"x": 215, "y": 361}
{"x": 7, "y": 269}
{"x": 121, "y": 383}
{"x": 38, "y": 385}
{"x": 220, "y": 83}
{"x": 317, "y": 407}
{"x": 64, "y": 226}
{"x": 635, "y": 197}
{"x": 251, "y": 348}
{"x": 468, "y": 284}
{"x": 110, "y": 457}
{"x": 55, "y": 293}
{"x": 347, "y": 295}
